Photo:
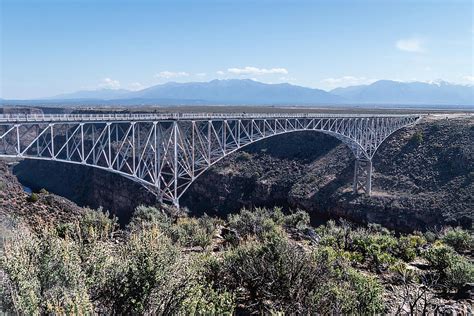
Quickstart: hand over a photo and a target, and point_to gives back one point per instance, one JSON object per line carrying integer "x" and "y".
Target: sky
{"x": 49, "y": 47}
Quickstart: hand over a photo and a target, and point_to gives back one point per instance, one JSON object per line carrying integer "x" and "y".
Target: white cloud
{"x": 108, "y": 83}
{"x": 201, "y": 74}
{"x": 346, "y": 81}
{"x": 254, "y": 71}
{"x": 414, "y": 45}
{"x": 220, "y": 73}
{"x": 171, "y": 74}
{"x": 469, "y": 78}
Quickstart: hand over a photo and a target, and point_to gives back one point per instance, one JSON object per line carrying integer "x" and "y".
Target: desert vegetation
{"x": 259, "y": 261}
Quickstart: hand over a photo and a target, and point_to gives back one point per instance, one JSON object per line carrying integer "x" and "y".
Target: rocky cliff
{"x": 37, "y": 211}
{"x": 420, "y": 181}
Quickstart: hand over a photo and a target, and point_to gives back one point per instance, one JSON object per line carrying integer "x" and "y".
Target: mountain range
{"x": 250, "y": 92}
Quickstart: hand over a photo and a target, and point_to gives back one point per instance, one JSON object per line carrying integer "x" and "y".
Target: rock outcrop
{"x": 38, "y": 211}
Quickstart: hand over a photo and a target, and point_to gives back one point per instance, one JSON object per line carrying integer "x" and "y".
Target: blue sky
{"x": 50, "y": 47}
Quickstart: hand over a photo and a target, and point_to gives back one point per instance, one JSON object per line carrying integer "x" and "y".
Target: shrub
{"x": 146, "y": 217}
{"x": 377, "y": 248}
{"x": 300, "y": 219}
{"x": 349, "y": 293}
{"x": 461, "y": 240}
{"x": 368, "y": 293}
{"x": 402, "y": 273}
{"x": 45, "y": 275}
{"x": 94, "y": 225}
{"x": 202, "y": 299}
{"x": 430, "y": 236}
{"x": 459, "y": 272}
{"x": 244, "y": 156}
{"x": 20, "y": 264}
{"x": 260, "y": 222}
{"x": 153, "y": 278}
{"x": 33, "y": 198}
{"x": 409, "y": 246}
{"x": 147, "y": 264}
{"x": 275, "y": 275}
{"x": 332, "y": 235}
{"x": 454, "y": 269}
{"x": 187, "y": 231}
{"x": 439, "y": 256}
{"x": 279, "y": 276}
{"x": 417, "y": 138}
{"x": 191, "y": 232}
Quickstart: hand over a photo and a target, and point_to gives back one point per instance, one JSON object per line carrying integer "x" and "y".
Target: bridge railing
{"x": 20, "y": 118}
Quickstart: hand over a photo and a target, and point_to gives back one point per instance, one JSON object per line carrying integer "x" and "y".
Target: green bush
{"x": 417, "y": 138}
{"x": 377, "y": 248}
{"x": 274, "y": 275}
{"x": 439, "y": 256}
{"x": 461, "y": 240}
{"x": 409, "y": 246}
{"x": 244, "y": 156}
{"x": 147, "y": 263}
{"x": 430, "y": 236}
{"x": 454, "y": 270}
{"x": 459, "y": 272}
{"x": 202, "y": 299}
{"x": 33, "y": 198}
{"x": 94, "y": 225}
{"x": 263, "y": 222}
{"x": 147, "y": 217}
{"x": 190, "y": 232}
{"x": 368, "y": 293}
{"x": 279, "y": 276}
{"x": 153, "y": 278}
{"x": 348, "y": 293}
{"x": 260, "y": 222}
{"x": 300, "y": 219}
{"x": 187, "y": 231}
{"x": 45, "y": 275}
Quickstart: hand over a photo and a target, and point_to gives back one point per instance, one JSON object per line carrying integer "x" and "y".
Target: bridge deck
{"x": 25, "y": 118}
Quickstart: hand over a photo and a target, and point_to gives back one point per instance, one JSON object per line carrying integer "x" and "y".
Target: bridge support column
{"x": 363, "y": 176}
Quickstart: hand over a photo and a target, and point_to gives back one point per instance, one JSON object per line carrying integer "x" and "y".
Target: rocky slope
{"x": 44, "y": 208}
{"x": 417, "y": 184}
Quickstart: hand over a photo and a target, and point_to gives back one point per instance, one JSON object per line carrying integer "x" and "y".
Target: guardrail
{"x": 21, "y": 118}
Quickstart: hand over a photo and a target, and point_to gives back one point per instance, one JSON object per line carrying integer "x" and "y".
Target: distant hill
{"x": 415, "y": 93}
{"x": 250, "y": 92}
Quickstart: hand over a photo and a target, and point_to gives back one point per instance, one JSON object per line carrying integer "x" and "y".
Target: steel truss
{"x": 166, "y": 153}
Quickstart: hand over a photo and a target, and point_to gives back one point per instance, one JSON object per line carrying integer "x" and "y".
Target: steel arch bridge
{"x": 167, "y": 152}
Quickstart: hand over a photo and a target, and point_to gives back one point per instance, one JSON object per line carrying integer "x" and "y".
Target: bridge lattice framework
{"x": 167, "y": 152}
